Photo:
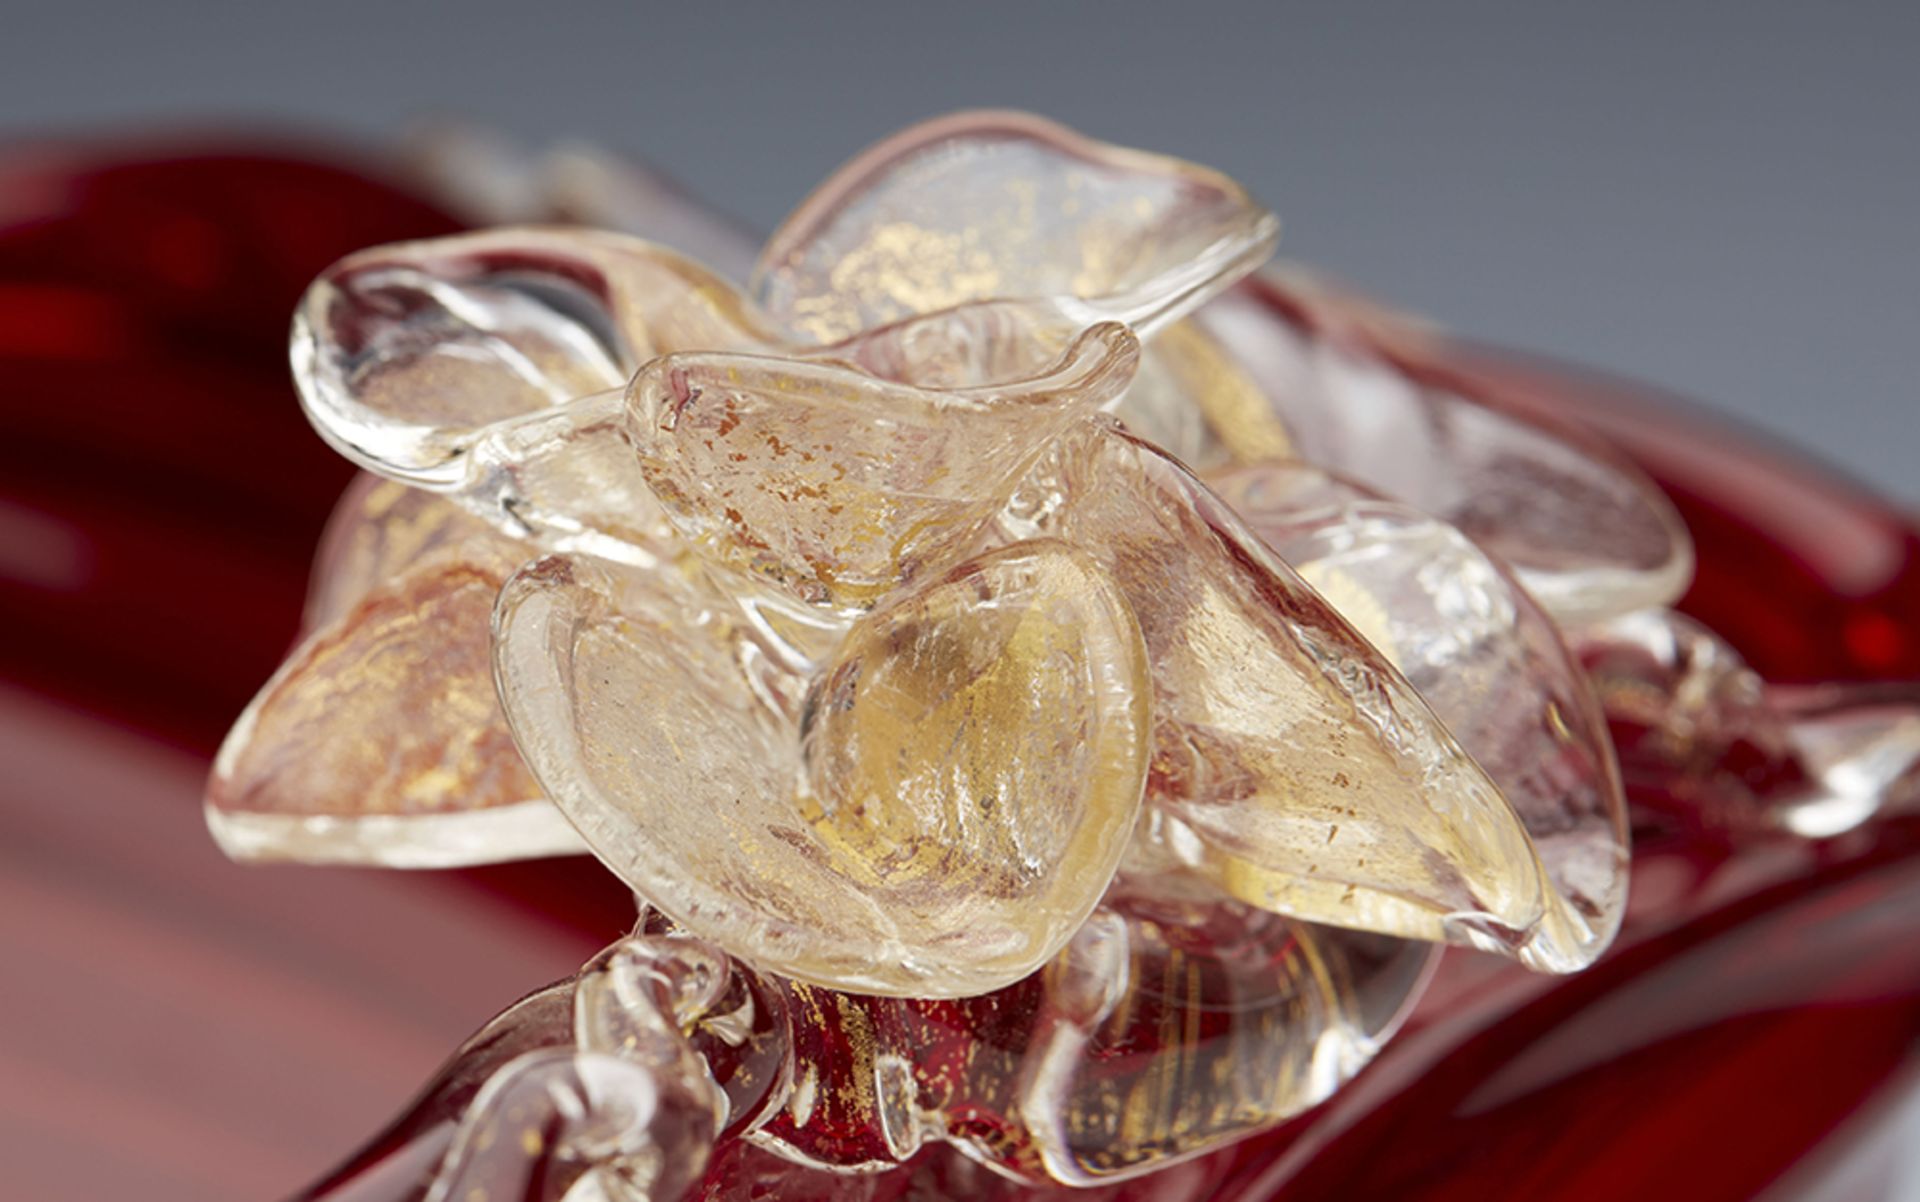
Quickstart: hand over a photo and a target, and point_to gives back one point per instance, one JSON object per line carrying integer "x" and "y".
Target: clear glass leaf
{"x": 995, "y": 204}
{"x": 1858, "y": 747}
{"x": 1688, "y": 714}
{"x": 673, "y": 996}
{"x": 1698, "y": 724}
{"x": 951, "y": 806}
{"x": 1171, "y": 1028}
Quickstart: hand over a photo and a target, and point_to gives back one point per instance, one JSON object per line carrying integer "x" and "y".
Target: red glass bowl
{"x": 176, "y": 1026}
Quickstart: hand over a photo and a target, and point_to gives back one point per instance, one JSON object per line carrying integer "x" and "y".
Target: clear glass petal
{"x": 891, "y": 843}
{"x": 405, "y": 353}
{"x": 1584, "y": 530}
{"x": 994, "y": 204}
{"x": 1292, "y": 764}
{"x": 838, "y": 487}
{"x": 1480, "y": 652}
{"x": 379, "y": 741}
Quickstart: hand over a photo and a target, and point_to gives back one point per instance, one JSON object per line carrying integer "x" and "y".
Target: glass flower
{"x": 986, "y": 616}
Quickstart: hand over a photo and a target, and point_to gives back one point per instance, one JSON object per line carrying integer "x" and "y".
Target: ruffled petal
{"x": 996, "y": 204}
{"x": 856, "y": 848}
{"x": 488, "y": 367}
{"x": 379, "y": 741}
{"x": 1480, "y": 652}
{"x": 978, "y": 345}
{"x": 1584, "y": 530}
{"x": 839, "y": 487}
{"x": 1293, "y": 766}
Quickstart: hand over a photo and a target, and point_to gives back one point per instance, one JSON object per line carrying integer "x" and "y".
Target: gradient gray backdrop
{"x": 1718, "y": 198}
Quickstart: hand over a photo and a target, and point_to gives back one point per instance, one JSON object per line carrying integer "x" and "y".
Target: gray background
{"x": 1718, "y": 198}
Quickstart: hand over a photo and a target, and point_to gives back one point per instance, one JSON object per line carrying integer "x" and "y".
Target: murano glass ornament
{"x": 1050, "y": 690}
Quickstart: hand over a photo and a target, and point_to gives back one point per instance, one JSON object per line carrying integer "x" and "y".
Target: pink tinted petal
{"x": 378, "y": 529}
{"x": 380, "y": 741}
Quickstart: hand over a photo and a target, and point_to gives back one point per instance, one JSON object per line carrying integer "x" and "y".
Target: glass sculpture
{"x": 1050, "y": 683}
